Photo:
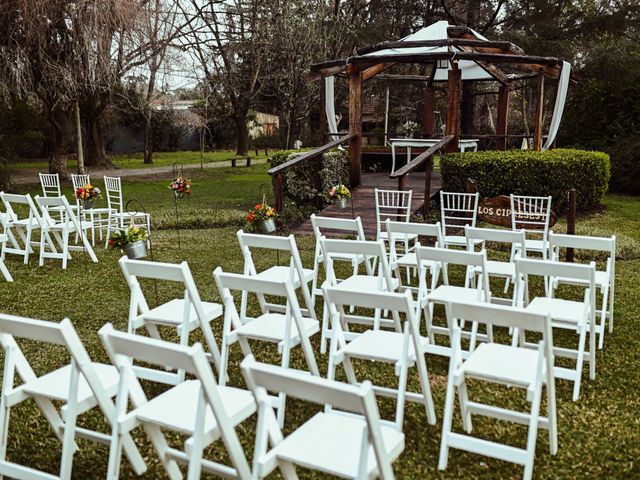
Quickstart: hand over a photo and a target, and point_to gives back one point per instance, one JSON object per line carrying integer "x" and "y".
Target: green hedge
{"x": 527, "y": 172}
{"x": 299, "y": 184}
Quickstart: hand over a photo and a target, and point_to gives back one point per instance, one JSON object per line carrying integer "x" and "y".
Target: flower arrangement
{"x": 338, "y": 192}
{"x": 87, "y": 192}
{"x": 409, "y": 128}
{"x": 261, "y": 213}
{"x": 181, "y": 186}
{"x": 123, "y": 237}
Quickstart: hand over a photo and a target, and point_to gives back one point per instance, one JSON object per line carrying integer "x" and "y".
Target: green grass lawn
{"x": 599, "y": 436}
{"x": 220, "y": 197}
{"x": 135, "y": 160}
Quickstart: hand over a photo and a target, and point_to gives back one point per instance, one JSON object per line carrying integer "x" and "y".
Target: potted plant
{"x": 132, "y": 241}
{"x": 339, "y": 195}
{"x": 87, "y": 193}
{"x": 181, "y": 186}
{"x": 263, "y": 216}
{"x": 409, "y": 128}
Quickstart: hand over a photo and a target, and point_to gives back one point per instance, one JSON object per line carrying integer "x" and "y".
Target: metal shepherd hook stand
{"x": 132, "y": 214}
{"x": 178, "y": 169}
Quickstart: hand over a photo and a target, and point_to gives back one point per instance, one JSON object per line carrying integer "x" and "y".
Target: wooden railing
{"x": 277, "y": 171}
{"x": 424, "y": 157}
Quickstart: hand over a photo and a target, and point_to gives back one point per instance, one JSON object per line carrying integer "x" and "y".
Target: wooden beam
{"x": 497, "y": 58}
{"x": 503, "y": 116}
{"x": 428, "y": 111}
{"x": 454, "y": 87}
{"x": 486, "y": 45}
{"x": 355, "y": 127}
{"x": 398, "y": 77}
{"x": 376, "y": 69}
{"x": 539, "y": 109}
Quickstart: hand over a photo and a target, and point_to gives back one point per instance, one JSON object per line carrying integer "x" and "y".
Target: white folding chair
{"x": 394, "y": 205}
{"x": 19, "y": 229}
{"x": 533, "y": 215}
{"x": 347, "y": 440}
{"x": 99, "y": 217}
{"x": 3, "y": 268}
{"x": 577, "y": 316}
{"x": 374, "y": 253}
{"x": 198, "y": 408}
{"x": 337, "y": 226}
{"x": 294, "y": 271}
{"x": 287, "y": 329}
{"x": 61, "y": 228}
{"x": 402, "y": 349}
{"x": 605, "y": 279}
{"x": 185, "y": 314}
{"x": 50, "y": 183}
{"x": 456, "y": 211}
{"x": 118, "y": 218}
{"x": 408, "y": 259}
{"x": 513, "y": 367}
{"x": 476, "y": 289}
{"x": 77, "y": 388}
{"x": 496, "y": 268}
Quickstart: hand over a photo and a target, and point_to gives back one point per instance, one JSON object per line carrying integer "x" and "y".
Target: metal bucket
{"x": 136, "y": 250}
{"x": 342, "y": 203}
{"x": 267, "y": 226}
{"x": 87, "y": 204}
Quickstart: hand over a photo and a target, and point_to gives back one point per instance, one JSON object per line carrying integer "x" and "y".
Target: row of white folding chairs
{"x": 531, "y": 213}
{"x": 397, "y": 348}
{"x": 287, "y": 325}
{"x": 578, "y": 316}
{"x": 402, "y": 232}
{"x": 209, "y": 410}
{"x": 56, "y": 222}
{"x": 116, "y": 216}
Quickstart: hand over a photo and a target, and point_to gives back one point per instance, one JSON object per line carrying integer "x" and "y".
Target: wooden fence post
{"x": 427, "y": 188}
{"x": 571, "y": 221}
{"x": 277, "y": 191}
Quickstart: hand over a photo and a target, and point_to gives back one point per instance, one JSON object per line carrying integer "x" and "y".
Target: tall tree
{"x": 229, "y": 39}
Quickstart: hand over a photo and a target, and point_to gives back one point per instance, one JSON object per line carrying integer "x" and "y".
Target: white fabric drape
{"x": 330, "y": 105}
{"x": 558, "y": 109}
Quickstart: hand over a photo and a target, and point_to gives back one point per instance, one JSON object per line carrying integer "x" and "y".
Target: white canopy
{"x": 438, "y": 31}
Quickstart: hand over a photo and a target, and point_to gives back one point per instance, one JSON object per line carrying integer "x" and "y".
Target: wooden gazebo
{"x": 456, "y": 54}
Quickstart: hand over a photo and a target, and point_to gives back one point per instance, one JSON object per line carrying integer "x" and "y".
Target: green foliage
{"x": 121, "y": 237}
{"x": 603, "y": 110}
{"x": 625, "y": 164}
{"x": 299, "y": 180}
{"x": 527, "y": 172}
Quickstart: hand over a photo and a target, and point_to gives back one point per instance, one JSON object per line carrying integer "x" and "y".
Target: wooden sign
{"x": 497, "y": 211}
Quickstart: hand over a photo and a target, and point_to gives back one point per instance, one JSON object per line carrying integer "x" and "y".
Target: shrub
{"x": 299, "y": 181}
{"x": 527, "y": 172}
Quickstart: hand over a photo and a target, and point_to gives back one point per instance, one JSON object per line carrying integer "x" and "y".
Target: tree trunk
{"x": 148, "y": 139}
{"x": 96, "y": 150}
{"x": 243, "y": 133}
{"x": 79, "y": 139}
{"x": 59, "y": 136}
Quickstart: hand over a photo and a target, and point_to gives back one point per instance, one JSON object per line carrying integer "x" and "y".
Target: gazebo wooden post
{"x": 537, "y": 130}
{"x": 503, "y": 116}
{"x": 454, "y": 91}
{"x": 429, "y": 111}
{"x": 324, "y": 126}
{"x": 355, "y": 123}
